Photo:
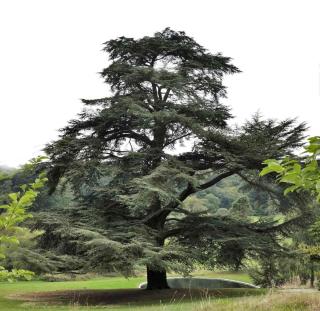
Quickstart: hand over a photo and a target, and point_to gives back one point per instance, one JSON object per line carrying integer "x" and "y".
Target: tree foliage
{"x": 14, "y": 212}
{"x": 241, "y": 208}
{"x": 119, "y": 157}
{"x": 303, "y": 175}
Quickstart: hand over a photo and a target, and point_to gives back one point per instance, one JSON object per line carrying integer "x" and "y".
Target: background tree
{"x": 14, "y": 213}
{"x": 302, "y": 175}
{"x": 241, "y": 208}
{"x": 29, "y": 254}
{"x": 118, "y": 156}
{"x": 307, "y": 243}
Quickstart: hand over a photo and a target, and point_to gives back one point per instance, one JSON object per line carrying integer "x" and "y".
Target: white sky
{"x": 50, "y": 55}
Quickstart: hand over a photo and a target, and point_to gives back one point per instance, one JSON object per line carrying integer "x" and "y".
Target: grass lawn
{"x": 9, "y": 290}
{"x": 243, "y": 277}
{"x": 224, "y": 300}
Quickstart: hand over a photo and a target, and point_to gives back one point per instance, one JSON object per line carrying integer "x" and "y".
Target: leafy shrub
{"x": 63, "y": 277}
{"x": 12, "y": 214}
{"x": 270, "y": 271}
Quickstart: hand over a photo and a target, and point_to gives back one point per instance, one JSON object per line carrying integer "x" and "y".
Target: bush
{"x": 270, "y": 272}
{"x": 64, "y": 277}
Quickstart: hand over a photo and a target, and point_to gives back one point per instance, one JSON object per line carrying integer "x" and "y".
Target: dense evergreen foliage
{"x": 166, "y": 89}
{"x": 131, "y": 180}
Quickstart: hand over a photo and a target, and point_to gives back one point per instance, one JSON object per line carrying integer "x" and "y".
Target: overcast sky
{"x": 51, "y": 54}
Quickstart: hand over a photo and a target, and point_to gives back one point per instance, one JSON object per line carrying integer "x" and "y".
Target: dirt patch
{"x": 127, "y": 296}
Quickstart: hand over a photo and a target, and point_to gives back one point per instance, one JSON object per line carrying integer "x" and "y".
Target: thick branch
{"x": 162, "y": 214}
{"x": 154, "y": 91}
{"x": 282, "y": 227}
{"x": 262, "y": 186}
{"x": 159, "y": 93}
{"x": 166, "y": 95}
{"x": 191, "y": 190}
{"x": 178, "y": 138}
{"x": 172, "y": 232}
{"x": 166, "y": 209}
{"x": 216, "y": 179}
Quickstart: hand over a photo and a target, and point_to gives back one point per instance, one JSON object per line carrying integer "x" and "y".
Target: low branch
{"x": 166, "y": 209}
{"x": 172, "y": 232}
{"x": 298, "y": 220}
{"x": 257, "y": 184}
{"x": 174, "y": 219}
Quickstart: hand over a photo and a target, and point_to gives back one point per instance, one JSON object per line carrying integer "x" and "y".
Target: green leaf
{"x": 23, "y": 187}
{"x": 272, "y": 168}
{"x": 291, "y": 179}
{"x": 290, "y": 189}
{"x": 13, "y": 196}
{"x": 318, "y": 185}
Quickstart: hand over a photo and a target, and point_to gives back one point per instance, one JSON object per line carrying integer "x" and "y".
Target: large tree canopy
{"x": 123, "y": 158}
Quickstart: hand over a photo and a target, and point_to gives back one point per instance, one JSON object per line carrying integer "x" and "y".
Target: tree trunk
{"x": 156, "y": 279}
{"x": 312, "y": 274}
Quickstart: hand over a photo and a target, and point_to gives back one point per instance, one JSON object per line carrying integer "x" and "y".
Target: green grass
{"x": 237, "y": 276}
{"x": 10, "y": 289}
{"x": 7, "y": 289}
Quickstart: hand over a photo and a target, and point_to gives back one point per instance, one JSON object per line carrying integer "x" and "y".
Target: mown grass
{"x": 237, "y": 276}
{"x": 228, "y": 301}
{"x": 12, "y": 289}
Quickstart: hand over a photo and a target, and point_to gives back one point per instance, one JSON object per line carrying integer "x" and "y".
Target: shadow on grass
{"x": 132, "y": 296}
